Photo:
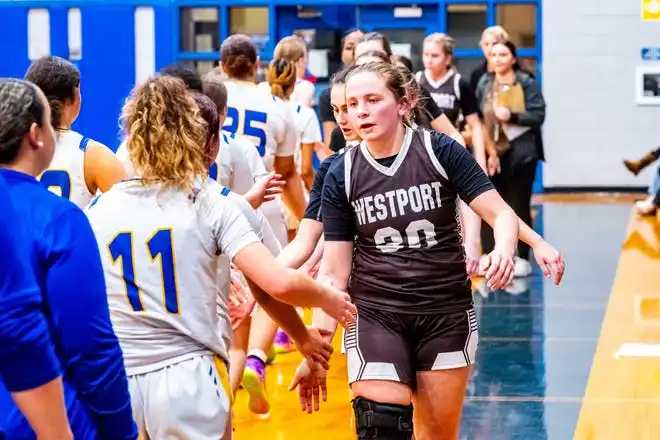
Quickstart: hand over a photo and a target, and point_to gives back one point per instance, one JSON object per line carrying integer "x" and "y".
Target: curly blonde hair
{"x": 165, "y": 133}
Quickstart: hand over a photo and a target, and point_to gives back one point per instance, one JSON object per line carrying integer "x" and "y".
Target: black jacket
{"x": 529, "y": 146}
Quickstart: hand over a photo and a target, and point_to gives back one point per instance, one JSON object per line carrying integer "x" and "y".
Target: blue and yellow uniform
{"x": 66, "y": 260}
{"x": 27, "y": 356}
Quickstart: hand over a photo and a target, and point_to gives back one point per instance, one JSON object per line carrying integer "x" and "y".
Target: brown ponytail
{"x": 281, "y": 76}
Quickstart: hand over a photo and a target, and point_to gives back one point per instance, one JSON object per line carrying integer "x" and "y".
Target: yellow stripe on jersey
{"x": 223, "y": 377}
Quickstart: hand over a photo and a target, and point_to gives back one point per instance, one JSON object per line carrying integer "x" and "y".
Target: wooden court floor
{"x": 554, "y": 362}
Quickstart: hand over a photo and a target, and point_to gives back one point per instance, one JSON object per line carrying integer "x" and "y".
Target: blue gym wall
{"x": 107, "y": 64}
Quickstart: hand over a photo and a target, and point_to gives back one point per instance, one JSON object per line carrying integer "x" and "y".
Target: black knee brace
{"x": 382, "y": 421}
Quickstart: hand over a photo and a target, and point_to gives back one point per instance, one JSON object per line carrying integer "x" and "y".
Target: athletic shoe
{"x": 254, "y": 382}
{"x": 282, "y": 343}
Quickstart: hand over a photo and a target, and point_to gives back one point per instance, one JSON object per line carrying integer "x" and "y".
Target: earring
{"x": 40, "y": 143}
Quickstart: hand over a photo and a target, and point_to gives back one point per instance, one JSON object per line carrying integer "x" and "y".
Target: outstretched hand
{"x": 241, "y": 303}
{"x": 499, "y": 269}
{"x": 311, "y": 387}
{"x": 550, "y": 261}
{"x": 265, "y": 189}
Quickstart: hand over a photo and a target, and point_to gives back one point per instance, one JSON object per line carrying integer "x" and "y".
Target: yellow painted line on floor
{"x": 622, "y": 398}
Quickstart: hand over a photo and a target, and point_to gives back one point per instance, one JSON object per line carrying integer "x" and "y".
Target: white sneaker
{"x": 517, "y": 287}
{"x": 522, "y": 268}
{"x": 482, "y": 289}
{"x": 645, "y": 207}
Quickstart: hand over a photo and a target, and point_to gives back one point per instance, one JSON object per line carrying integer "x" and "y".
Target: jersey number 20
{"x": 159, "y": 246}
{"x": 249, "y": 123}
{"x": 390, "y": 240}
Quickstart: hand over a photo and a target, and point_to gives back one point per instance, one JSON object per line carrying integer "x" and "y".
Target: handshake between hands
{"x": 315, "y": 346}
{"x": 310, "y": 377}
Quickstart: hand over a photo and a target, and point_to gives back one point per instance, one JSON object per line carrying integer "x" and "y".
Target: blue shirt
{"x": 67, "y": 263}
{"x": 27, "y": 355}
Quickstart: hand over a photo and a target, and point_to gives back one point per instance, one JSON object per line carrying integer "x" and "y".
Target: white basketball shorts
{"x": 188, "y": 400}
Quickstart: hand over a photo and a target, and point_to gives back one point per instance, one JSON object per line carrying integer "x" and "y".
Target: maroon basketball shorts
{"x": 394, "y": 346}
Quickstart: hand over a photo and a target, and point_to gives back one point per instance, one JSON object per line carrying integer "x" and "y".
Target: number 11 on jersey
{"x": 160, "y": 247}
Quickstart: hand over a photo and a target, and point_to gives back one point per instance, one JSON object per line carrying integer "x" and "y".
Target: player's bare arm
{"x": 335, "y": 270}
{"x": 301, "y": 248}
{"x": 499, "y": 264}
{"x": 102, "y": 168}
{"x": 311, "y": 342}
{"x": 292, "y": 194}
{"x": 290, "y": 286}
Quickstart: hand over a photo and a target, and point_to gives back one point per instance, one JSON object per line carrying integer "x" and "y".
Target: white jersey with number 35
{"x": 161, "y": 251}
{"x": 262, "y": 118}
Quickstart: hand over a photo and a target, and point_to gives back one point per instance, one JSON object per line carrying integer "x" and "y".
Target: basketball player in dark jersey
{"x": 420, "y": 118}
{"x": 389, "y": 217}
{"x": 450, "y": 91}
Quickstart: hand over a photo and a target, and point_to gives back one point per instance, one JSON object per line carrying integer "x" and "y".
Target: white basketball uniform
{"x": 236, "y": 167}
{"x": 267, "y": 122}
{"x": 122, "y": 156}
{"x": 66, "y": 174}
{"x": 232, "y": 167}
{"x": 303, "y": 93}
{"x": 309, "y": 128}
{"x": 161, "y": 251}
{"x": 237, "y": 142}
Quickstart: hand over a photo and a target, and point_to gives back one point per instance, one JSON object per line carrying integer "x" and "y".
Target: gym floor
{"x": 546, "y": 367}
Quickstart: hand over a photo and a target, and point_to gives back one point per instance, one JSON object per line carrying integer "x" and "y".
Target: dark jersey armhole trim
{"x": 348, "y": 165}
{"x": 428, "y": 144}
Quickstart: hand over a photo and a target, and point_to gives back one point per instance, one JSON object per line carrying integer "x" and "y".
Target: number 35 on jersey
{"x": 249, "y": 123}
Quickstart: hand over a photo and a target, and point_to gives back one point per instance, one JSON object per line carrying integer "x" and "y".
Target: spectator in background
{"x": 513, "y": 108}
{"x": 649, "y": 205}
{"x": 326, "y": 114}
{"x": 490, "y": 36}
